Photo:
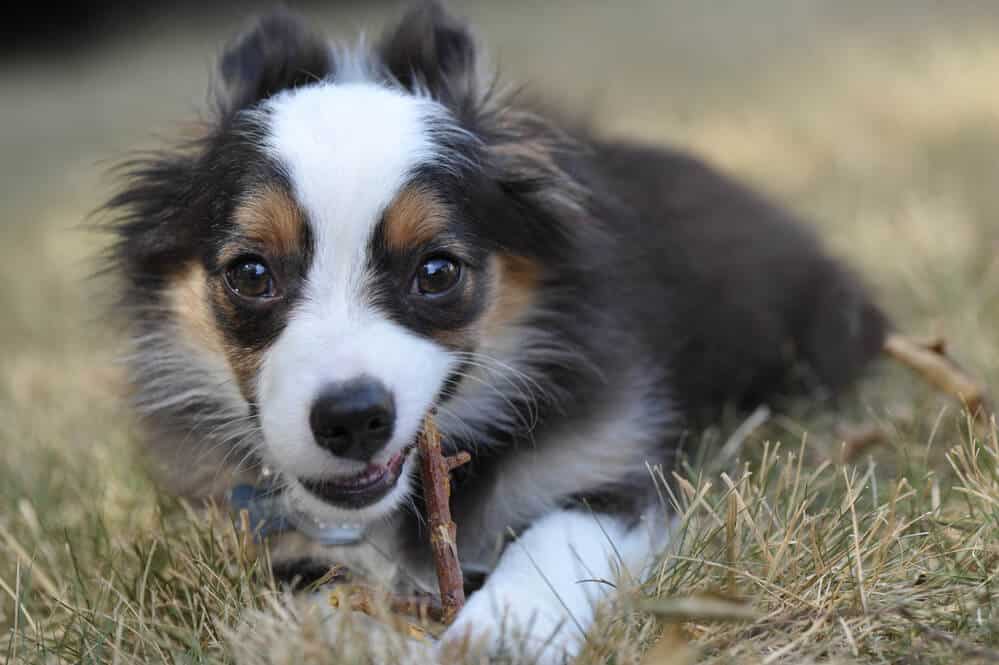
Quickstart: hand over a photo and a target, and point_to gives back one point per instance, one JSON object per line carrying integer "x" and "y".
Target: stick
{"x": 361, "y": 598}
{"x": 435, "y": 470}
{"x": 930, "y": 360}
{"x": 698, "y": 608}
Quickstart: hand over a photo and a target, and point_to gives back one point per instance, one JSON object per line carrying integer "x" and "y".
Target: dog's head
{"x": 322, "y": 261}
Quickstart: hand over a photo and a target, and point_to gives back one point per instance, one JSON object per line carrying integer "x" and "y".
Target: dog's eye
{"x": 436, "y": 276}
{"x": 250, "y": 277}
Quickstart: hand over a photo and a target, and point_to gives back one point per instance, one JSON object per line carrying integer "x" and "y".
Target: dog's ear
{"x": 433, "y": 51}
{"x": 279, "y": 53}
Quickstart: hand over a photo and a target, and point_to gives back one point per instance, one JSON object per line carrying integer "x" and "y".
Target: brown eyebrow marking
{"x": 415, "y": 217}
{"x": 271, "y": 219}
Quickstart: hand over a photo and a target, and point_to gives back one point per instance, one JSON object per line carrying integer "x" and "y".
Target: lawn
{"x": 880, "y": 125}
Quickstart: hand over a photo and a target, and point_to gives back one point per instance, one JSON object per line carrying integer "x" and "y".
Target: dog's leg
{"x": 540, "y": 600}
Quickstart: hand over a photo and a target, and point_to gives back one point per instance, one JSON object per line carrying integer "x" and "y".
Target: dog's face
{"x": 339, "y": 245}
{"x": 344, "y": 291}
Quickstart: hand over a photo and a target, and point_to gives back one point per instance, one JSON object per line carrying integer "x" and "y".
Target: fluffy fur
{"x": 610, "y": 297}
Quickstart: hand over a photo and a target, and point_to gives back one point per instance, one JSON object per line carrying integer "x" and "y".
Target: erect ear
{"x": 432, "y": 50}
{"x": 279, "y": 53}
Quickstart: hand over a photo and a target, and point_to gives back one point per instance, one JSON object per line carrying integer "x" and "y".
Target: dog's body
{"x": 363, "y": 236}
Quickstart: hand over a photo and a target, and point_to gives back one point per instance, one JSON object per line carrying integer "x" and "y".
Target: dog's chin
{"x": 357, "y": 500}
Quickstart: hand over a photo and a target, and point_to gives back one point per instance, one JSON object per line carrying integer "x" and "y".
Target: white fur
{"x": 347, "y": 149}
{"x": 542, "y": 596}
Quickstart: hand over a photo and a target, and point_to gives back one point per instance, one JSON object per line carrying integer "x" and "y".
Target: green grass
{"x": 881, "y": 127}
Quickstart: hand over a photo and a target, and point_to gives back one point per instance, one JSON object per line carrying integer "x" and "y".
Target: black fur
{"x": 747, "y": 291}
{"x": 280, "y": 53}
{"x": 432, "y": 50}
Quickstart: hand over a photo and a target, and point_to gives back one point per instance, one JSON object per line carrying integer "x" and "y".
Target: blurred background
{"x": 879, "y": 122}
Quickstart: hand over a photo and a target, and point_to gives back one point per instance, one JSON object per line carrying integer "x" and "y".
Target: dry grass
{"x": 882, "y": 127}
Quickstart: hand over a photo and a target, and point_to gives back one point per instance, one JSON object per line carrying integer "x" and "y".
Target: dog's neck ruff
{"x": 268, "y": 511}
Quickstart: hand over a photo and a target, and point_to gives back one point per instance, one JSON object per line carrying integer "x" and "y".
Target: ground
{"x": 879, "y": 124}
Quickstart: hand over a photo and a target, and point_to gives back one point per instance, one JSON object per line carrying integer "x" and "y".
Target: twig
{"x": 435, "y": 470}
{"x": 360, "y": 598}
{"x": 698, "y": 608}
{"x": 738, "y": 438}
{"x": 930, "y": 360}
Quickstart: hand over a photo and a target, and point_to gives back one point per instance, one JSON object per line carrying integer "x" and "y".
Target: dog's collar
{"x": 271, "y": 511}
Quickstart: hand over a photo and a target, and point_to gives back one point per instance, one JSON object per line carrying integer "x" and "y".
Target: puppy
{"x": 361, "y": 236}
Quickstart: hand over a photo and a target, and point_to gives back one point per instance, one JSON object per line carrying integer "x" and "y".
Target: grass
{"x": 880, "y": 126}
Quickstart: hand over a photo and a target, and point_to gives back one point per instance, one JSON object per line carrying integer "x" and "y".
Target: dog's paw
{"x": 513, "y": 625}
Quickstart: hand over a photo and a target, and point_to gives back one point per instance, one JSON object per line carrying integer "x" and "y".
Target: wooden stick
{"x": 930, "y": 360}
{"x": 361, "y": 598}
{"x": 435, "y": 470}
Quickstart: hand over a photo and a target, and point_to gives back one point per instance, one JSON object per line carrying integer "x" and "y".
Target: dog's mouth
{"x": 362, "y": 489}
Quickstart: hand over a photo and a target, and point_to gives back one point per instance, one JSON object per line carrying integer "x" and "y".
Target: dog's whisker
{"x": 525, "y": 422}
{"x": 525, "y": 389}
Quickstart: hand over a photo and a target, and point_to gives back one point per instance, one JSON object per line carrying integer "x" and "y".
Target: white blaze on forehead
{"x": 347, "y": 150}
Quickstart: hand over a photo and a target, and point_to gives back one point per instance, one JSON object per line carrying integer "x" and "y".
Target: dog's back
{"x": 739, "y": 296}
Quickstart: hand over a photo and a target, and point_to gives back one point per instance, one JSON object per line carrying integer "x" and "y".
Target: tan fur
{"x": 190, "y": 300}
{"x": 516, "y": 289}
{"x": 413, "y": 219}
{"x": 273, "y": 221}
{"x": 246, "y": 365}
{"x": 514, "y": 284}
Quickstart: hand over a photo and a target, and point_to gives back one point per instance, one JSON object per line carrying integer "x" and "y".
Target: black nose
{"x": 353, "y": 419}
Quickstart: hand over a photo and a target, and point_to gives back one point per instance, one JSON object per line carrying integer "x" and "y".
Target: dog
{"x": 360, "y": 236}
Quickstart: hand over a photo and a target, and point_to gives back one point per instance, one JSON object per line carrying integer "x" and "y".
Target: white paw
{"x": 522, "y": 626}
